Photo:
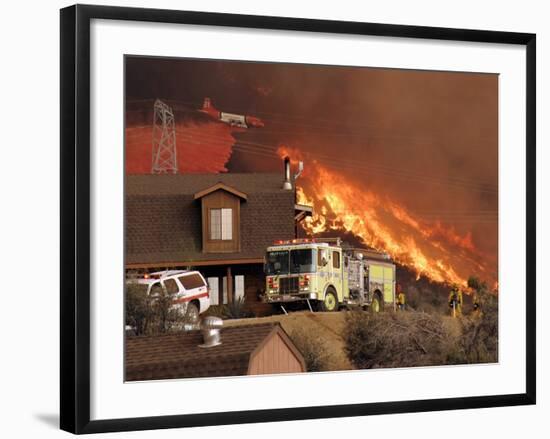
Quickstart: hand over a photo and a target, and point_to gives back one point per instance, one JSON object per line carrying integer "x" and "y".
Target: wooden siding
{"x": 217, "y": 200}
{"x": 274, "y": 356}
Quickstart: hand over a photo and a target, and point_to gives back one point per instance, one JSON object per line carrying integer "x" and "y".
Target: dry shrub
{"x": 153, "y": 314}
{"x": 313, "y": 348}
{"x": 237, "y": 309}
{"x": 396, "y": 340}
{"x": 479, "y": 341}
{"x": 216, "y": 311}
{"x": 138, "y": 309}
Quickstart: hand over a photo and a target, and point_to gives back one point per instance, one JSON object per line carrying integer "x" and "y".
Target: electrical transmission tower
{"x": 164, "y": 140}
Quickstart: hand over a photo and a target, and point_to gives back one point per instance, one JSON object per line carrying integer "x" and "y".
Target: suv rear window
{"x": 191, "y": 281}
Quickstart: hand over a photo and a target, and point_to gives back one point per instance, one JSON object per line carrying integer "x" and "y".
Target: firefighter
{"x": 455, "y": 301}
{"x": 476, "y": 303}
{"x": 400, "y": 298}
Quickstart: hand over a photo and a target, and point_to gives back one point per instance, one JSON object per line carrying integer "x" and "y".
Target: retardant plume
{"x": 193, "y": 130}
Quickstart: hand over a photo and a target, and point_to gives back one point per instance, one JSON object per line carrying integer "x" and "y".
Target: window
{"x": 227, "y": 224}
{"x": 156, "y": 289}
{"x": 322, "y": 257}
{"x": 221, "y": 224}
{"x": 301, "y": 261}
{"x": 171, "y": 286}
{"x": 215, "y": 224}
{"x": 191, "y": 281}
{"x": 335, "y": 260}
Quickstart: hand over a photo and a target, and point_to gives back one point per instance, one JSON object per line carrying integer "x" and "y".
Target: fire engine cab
{"x": 329, "y": 275}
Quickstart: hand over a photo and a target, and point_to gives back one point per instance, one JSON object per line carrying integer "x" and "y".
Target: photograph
{"x": 288, "y": 218}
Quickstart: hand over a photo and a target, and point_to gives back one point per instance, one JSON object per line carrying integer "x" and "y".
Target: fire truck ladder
{"x": 164, "y": 140}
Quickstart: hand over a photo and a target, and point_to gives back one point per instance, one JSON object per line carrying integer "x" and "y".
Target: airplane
{"x": 236, "y": 120}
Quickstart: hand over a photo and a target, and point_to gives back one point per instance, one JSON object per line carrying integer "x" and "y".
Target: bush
{"x": 313, "y": 349}
{"x": 138, "y": 309}
{"x": 216, "y": 311}
{"x": 236, "y": 310}
{"x": 396, "y": 340}
{"x": 153, "y": 314}
{"x": 166, "y": 316}
{"x": 479, "y": 341}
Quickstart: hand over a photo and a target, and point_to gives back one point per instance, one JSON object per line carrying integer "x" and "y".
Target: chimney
{"x": 210, "y": 328}
{"x": 287, "y": 185}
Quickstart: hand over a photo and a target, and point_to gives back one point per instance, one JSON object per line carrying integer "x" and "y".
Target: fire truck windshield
{"x": 301, "y": 261}
{"x": 293, "y": 262}
{"x": 276, "y": 262}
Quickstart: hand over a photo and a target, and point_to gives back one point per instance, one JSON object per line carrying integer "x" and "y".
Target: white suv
{"x": 188, "y": 288}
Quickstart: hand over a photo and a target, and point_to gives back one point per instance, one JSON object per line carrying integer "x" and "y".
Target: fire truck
{"x": 329, "y": 275}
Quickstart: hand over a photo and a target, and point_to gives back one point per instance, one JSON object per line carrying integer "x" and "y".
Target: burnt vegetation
{"x": 479, "y": 343}
{"x": 396, "y": 340}
{"x": 425, "y": 335}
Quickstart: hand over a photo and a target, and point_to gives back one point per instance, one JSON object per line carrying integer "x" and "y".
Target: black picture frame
{"x": 75, "y": 217}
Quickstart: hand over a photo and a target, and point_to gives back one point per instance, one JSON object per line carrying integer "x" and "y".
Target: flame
{"x": 342, "y": 205}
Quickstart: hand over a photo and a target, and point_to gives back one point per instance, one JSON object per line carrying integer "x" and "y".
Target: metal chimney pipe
{"x": 287, "y": 185}
{"x": 210, "y": 328}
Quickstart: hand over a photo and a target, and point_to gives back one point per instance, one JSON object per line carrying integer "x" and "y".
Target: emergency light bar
{"x": 294, "y": 241}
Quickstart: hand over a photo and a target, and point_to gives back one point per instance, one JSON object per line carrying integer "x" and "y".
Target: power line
{"x": 286, "y": 119}
{"x": 270, "y": 150}
{"x": 378, "y": 169}
{"x": 290, "y": 119}
{"x": 273, "y": 150}
{"x": 333, "y": 162}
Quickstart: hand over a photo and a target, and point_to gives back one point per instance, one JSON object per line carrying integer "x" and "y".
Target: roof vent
{"x": 210, "y": 328}
{"x": 287, "y": 185}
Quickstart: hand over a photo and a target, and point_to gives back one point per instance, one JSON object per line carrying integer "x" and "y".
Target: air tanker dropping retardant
{"x": 236, "y": 120}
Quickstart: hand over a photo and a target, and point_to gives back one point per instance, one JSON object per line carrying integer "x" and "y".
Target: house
{"x": 219, "y": 224}
{"x": 244, "y": 350}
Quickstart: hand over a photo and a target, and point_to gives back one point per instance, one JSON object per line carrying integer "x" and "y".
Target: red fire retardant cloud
{"x": 200, "y": 148}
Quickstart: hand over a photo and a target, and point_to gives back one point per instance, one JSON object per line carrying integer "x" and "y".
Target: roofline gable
{"x": 278, "y": 330}
{"x": 220, "y": 186}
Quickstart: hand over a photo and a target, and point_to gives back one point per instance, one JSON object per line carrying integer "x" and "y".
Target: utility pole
{"x": 164, "y": 140}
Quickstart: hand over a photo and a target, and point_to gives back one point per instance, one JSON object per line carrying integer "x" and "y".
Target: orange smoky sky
{"x": 427, "y": 140}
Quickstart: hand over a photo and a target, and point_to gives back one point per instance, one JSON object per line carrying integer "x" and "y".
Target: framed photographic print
{"x": 255, "y": 204}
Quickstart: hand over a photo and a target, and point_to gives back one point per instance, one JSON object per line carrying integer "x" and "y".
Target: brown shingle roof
{"x": 163, "y": 221}
{"x": 179, "y": 355}
{"x": 189, "y": 184}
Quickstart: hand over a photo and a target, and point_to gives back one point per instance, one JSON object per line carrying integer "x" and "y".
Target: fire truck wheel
{"x": 330, "y": 303}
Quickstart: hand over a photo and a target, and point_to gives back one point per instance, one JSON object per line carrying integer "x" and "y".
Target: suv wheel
{"x": 192, "y": 313}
